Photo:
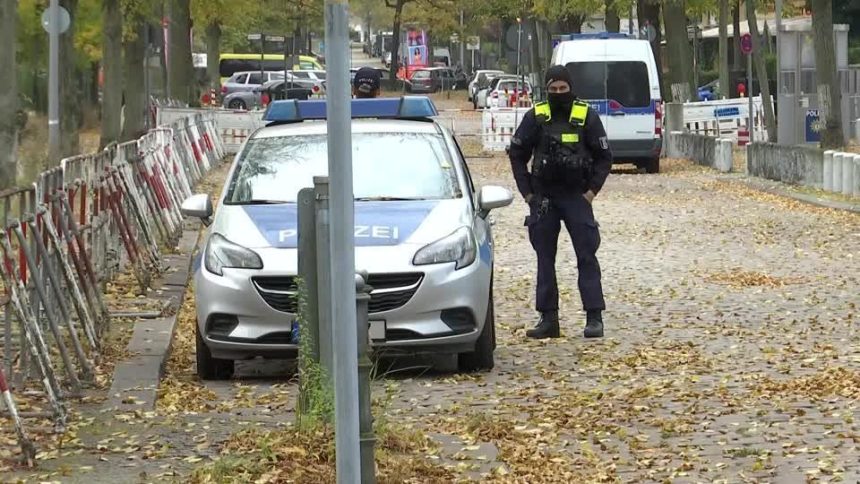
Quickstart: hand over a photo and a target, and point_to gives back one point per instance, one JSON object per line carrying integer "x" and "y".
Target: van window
{"x": 228, "y": 67}
{"x": 626, "y": 82}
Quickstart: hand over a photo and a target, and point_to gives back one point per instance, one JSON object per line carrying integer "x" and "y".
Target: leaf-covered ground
{"x": 732, "y": 355}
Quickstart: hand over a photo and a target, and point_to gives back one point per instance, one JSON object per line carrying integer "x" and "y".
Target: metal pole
{"x": 750, "y": 96}
{"x": 263, "y": 58}
{"x": 630, "y": 21}
{"x": 778, "y": 62}
{"x": 54, "y": 82}
{"x": 462, "y": 42}
{"x": 365, "y": 419}
{"x": 342, "y": 249}
{"x": 307, "y": 260}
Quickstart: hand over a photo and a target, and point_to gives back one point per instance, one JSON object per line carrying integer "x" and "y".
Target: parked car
{"x": 277, "y": 89}
{"x": 618, "y": 76}
{"x": 709, "y": 91}
{"x": 506, "y": 88}
{"x": 422, "y": 233}
{"x": 431, "y": 79}
{"x": 476, "y": 78}
{"x": 247, "y": 81}
{"x": 481, "y": 100}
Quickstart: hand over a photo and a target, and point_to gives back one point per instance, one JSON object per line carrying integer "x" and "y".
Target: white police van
{"x": 618, "y": 77}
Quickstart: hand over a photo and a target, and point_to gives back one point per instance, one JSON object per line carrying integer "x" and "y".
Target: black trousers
{"x": 578, "y": 217}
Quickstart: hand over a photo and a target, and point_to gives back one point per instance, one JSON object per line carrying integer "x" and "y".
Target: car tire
{"x": 652, "y": 165}
{"x": 209, "y": 368}
{"x": 237, "y": 104}
{"x": 482, "y": 358}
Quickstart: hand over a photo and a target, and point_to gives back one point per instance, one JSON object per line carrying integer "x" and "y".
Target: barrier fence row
{"x": 71, "y": 232}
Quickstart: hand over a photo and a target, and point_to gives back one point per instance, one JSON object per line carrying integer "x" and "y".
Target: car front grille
{"x": 390, "y": 291}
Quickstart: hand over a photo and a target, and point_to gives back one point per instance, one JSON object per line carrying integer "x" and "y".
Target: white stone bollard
{"x": 848, "y": 174}
{"x": 827, "y": 175}
{"x": 837, "y": 172}
{"x": 856, "y": 176}
{"x": 724, "y": 160}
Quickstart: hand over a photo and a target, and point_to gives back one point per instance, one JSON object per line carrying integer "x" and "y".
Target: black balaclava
{"x": 559, "y": 103}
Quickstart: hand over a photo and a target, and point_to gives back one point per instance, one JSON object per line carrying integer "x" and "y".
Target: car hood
{"x": 383, "y": 223}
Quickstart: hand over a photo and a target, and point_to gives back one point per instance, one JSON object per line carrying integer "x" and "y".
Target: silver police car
{"x": 421, "y": 232}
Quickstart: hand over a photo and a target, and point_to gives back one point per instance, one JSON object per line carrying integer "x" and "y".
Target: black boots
{"x": 547, "y": 326}
{"x": 594, "y": 324}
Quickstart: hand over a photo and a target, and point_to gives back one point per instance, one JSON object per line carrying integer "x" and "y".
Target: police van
{"x": 618, "y": 77}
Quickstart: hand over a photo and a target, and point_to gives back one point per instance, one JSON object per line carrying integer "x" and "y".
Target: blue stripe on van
{"x": 602, "y": 107}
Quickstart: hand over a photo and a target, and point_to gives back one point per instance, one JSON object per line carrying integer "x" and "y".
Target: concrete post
{"x": 848, "y": 174}
{"x": 365, "y": 417}
{"x": 725, "y": 160}
{"x": 827, "y": 178}
{"x": 674, "y": 117}
{"x": 323, "y": 269}
{"x": 856, "y": 191}
{"x": 837, "y": 171}
{"x": 672, "y": 150}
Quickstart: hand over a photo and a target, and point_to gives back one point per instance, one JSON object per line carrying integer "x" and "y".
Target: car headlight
{"x": 221, "y": 253}
{"x": 459, "y": 247}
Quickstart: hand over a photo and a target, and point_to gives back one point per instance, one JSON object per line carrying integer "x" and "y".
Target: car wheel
{"x": 482, "y": 358}
{"x": 209, "y": 368}
{"x": 237, "y": 104}
{"x": 653, "y": 165}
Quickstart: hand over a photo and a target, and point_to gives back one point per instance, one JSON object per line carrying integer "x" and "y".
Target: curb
{"x": 775, "y": 188}
{"x": 136, "y": 380}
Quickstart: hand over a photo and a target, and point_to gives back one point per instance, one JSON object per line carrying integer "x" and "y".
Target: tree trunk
{"x": 8, "y": 95}
{"x": 829, "y": 92}
{"x": 395, "y": 37}
{"x": 725, "y": 91}
{"x": 677, "y": 45}
{"x": 648, "y": 12}
{"x": 112, "y": 69}
{"x": 737, "y": 57}
{"x": 134, "y": 62}
{"x": 573, "y": 24}
{"x": 534, "y": 47}
{"x": 70, "y": 89}
{"x": 612, "y": 21}
{"x": 213, "y": 54}
{"x": 761, "y": 71}
{"x": 180, "y": 66}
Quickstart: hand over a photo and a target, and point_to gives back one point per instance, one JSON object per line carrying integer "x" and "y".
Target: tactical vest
{"x": 560, "y": 156}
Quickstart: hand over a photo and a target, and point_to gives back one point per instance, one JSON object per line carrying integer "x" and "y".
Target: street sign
{"x": 746, "y": 44}
{"x": 473, "y": 42}
{"x": 63, "y": 20}
{"x": 275, "y": 38}
{"x": 254, "y": 36}
{"x": 455, "y": 38}
{"x": 813, "y": 126}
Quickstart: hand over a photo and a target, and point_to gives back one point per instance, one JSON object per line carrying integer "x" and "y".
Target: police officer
{"x": 570, "y": 160}
{"x": 366, "y": 83}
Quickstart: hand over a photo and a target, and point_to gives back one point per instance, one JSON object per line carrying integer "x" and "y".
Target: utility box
{"x": 799, "y": 106}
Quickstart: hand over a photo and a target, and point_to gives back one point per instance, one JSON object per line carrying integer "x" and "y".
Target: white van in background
{"x": 618, "y": 77}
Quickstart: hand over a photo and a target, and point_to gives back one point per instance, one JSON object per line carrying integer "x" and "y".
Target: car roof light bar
{"x": 406, "y": 107}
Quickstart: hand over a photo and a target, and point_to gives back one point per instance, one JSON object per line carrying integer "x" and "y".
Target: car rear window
{"x": 626, "y": 82}
{"x": 421, "y": 75}
{"x": 277, "y": 168}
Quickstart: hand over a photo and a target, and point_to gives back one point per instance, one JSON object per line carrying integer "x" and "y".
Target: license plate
{"x": 377, "y": 331}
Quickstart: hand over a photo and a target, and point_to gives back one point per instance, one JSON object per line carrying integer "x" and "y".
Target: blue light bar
{"x": 599, "y": 35}
{"x": 406, "y": 107}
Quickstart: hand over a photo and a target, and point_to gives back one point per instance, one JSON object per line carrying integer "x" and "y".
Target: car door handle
{"x": 618, "y": 113}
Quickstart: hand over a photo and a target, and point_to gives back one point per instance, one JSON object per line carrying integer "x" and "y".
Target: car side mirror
{"x": 198, "y": 206}
{"x": 491, "y": 197}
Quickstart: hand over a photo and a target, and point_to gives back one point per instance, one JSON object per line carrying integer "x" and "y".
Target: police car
{"x": 421, "y": 232}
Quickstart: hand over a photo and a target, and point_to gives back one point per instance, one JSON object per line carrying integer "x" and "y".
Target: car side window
{"x": 255, "y": 78}
{"x": 240, "y": 79}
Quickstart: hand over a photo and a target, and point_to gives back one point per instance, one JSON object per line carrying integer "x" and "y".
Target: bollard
{"x": 365, "y": 417}
{"x": 724, "y": 155}
{"x": 827, "y": 176}
{"x": 848, "y": 174}
{"x": 307, "y": 268}
{"x": 837, "y": 172}
{"x": 323, "y": 268}
{"x": 856, "y": 191}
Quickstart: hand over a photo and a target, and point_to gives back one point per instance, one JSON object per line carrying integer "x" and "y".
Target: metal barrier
{"x": 72, "y": 231}
{"x": 233, "y": 126}
{"x": 726, "y": 118}
{"x": 498, "y": 126}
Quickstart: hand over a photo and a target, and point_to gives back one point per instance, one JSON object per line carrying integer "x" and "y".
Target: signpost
{"x": 55, "y": 21}
{"x": 473, "y": 43}
{"x": 747, "y": 49}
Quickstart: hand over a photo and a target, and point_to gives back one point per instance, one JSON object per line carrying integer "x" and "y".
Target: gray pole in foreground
{"x": 778, "y": 61}
{"x": 54, "y": 82}
{"x": 751, "y": 127}
{"x": 342, "y": 251}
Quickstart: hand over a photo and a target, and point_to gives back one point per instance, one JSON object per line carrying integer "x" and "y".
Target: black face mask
{"x": 560, "y": 102}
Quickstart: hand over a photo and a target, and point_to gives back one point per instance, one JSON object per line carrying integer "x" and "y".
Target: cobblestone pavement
{"x": 732, "y": 355}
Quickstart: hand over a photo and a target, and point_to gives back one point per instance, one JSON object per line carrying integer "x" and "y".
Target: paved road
{"x": 732, "y": 348}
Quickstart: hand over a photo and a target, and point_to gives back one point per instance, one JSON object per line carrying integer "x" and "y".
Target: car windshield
{"x": 275, "y": 169}
{"x": 421, "y": 75}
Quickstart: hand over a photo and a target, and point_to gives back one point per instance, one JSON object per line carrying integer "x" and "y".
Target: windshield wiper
{"x": 387, "y": 199}
{"x": 255, "y": 201}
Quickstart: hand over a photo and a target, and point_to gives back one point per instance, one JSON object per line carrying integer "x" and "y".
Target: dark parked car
{"x": 433, "y": 79}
